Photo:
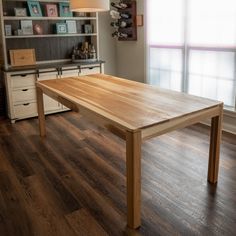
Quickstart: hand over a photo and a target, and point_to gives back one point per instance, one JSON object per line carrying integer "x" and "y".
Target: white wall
{"x": 123, "y": 58}
{"x": 131, "y": 54}
{"x": 107, "y": 45}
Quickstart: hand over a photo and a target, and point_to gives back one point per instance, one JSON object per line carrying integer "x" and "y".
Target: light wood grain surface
{"x": 133, "y": 105}
{"x": 135, "y": 112}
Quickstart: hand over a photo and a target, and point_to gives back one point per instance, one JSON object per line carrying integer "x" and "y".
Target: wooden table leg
{"x": 214, "y": 152}
{"x": 41, "y": 115}
{"x": 133, "y": 173}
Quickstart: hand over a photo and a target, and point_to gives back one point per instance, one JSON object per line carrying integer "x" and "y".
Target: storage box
{"x": 22, "y": 57}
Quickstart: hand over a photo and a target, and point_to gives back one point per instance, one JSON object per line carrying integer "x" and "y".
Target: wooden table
{"x": 135, "y": 112}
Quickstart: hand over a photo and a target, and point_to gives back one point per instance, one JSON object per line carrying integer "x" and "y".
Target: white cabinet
{"x": 69, "y": 72}
{"x": 21, "y": 95}
{"x": 88, "y": 70}
{"x": 50, "y": 104}
{"x": 21, "y": 90}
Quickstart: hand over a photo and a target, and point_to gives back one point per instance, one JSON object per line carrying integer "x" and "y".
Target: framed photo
{"x": 38, "y": 29}
{"x": 51, "y": 10}
{"x": 65, "y": 9}
{"x": 34, "y": 8}
{"x": 88, "y": 29}
{"x": 20, "y": 11}
{"x": 8, "y": 30}
{"x": 61, "y": 28}
{"x": 71, "y": 27}
{"x": 27, "y": 27}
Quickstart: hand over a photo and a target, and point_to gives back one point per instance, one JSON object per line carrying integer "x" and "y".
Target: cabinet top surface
{"x": 130, "y": 104}
{"x": 58, "y": 65}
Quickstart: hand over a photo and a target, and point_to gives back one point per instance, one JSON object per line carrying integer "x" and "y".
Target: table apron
{"x": 180, "y": 122}
{"x": 113, "y": 127}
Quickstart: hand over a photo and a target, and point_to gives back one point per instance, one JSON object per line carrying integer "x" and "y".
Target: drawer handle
{"x": 90, "y": 68}
{"x": 26, "y": 104}
{"x": 24, "y": 90}
{"x": 23, "y": 75}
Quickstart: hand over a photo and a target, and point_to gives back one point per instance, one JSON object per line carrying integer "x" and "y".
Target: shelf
{"x": 47, "y": 18}
{"x": 39, "y": 1}
{"x": 48, "y": 36}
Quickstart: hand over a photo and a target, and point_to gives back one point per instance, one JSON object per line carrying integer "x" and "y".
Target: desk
{"x": 135, "y": 112}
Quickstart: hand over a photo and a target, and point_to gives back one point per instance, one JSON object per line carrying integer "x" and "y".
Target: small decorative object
{"x": 34, "y": 8}
{"x": 22, "y": 57}
{"x": 80, "y": 14}
{"x": 119, "y": 35}
{"x": 71, "y": 26}
{"x": 51, "y": 10}
{"x": 117, "y": 15}
{"x": 27, "y": 27}
{"x": 20, "y": 12}
{"x": 88, "y": 29}
{"x": 65, "y": 9}
{"x": 8, "y": 30}
{"x": 61, "y": 28}
{"x": 38, "y": 29}
{"x": 85, "y": 52}
{"x": 19, "y": 32}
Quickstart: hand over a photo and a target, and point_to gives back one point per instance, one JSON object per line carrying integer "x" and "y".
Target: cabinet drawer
{"x": 25, "y": 110}
{"x": 50, "y": 104}
{"x": 21, "y": 81}
{"x": 23, "y": 95}
{"x": 89, "y": 71}
{"x": 70, "y": 73}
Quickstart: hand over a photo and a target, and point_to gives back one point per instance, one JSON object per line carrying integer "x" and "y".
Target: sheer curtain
{"x": 192, "y": 45}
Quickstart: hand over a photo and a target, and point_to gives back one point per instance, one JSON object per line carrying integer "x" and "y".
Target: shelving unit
{"x": 52, "y": 46}
{"x": 47, "y": 18}
{"x": 53, "y": 56}
{"x": 48, "y": 36}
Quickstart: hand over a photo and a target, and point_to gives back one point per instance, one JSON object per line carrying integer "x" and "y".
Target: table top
{"x": 132, "y": 105}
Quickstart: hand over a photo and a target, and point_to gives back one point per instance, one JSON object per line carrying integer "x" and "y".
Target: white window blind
{"x": 192, "y": 47}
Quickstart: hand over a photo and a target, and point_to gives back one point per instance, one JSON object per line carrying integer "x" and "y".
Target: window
{"x": 192, "y": 47}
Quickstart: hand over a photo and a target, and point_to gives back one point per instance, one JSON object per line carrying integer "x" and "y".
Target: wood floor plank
{"x": 48, "y": 216}
{"x": 73, "y": 182}
{"x": 83, "y": 223}
{"x": 13, "y": 212}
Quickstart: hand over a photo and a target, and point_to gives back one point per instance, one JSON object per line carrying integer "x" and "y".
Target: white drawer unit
{"x": 22, "y": 80}
{"x": 22, "y": 95}
{"x": 49, "y": 103}
{"x": 21, "y": 89}
{"x": 90, "y": 70}
{"x": 25, "y": 110}
{"x": 69, "y": 72}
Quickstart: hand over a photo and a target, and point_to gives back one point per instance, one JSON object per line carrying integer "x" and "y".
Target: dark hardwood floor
{"x": 73, "y": 181}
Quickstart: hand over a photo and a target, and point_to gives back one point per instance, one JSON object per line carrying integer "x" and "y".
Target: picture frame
{"x": 51, "y": 10}
{"x": 38, "y": 29}
{"x": 22, "y": 12}
{"x": 61, "y": 28}
{"x": 8, "y": 30}
{"x": 64, "y": 9}
{"x": 88, "y": 29}
{"x": 71, "y": 27}
{"x": 34, "y": 8}
{"x": 27, "y": 27}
